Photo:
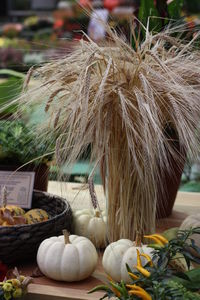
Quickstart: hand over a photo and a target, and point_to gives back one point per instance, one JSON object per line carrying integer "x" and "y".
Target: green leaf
{"x": 10, "y": 88}
{"x": 191, "y": 281}
{"x": 128, "y": 268}
{"x": 196, "y": 230}
{"x": 194, "y": 275}
{"x": 117, "y": 287}
{"x": 191, "y": 257}
{"x": 155, "y": 246}
{"x": 105, "y": 296}
{"x": 99, "y": 288}
{"x": 149, "y": 13}
{"x": 12, "y": 73}
{"x": 174, "y": 9}
{"x": 125, "y": 292}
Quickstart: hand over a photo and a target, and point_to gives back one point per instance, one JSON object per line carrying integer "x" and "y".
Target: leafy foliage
{"x": 182, "y": 245}
{"x": 156, "y": 14}
{"x": 10, "y": 87}
{"x": 148, "y": 12}
{"x": 18, "y": 144}
{"x": 174, "y": 9}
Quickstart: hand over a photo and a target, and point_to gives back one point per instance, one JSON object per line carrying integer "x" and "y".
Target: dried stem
{"x": 66, "y": 236}
{"x": 92, "y": 192}
{"x": 4, "y": 196}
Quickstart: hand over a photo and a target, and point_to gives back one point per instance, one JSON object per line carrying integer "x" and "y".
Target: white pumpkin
{"x": 120, "y": 253}
{"x": 71, "y": 258}
{"x": 191, "y": 222}
{"x": 91, "y": 224}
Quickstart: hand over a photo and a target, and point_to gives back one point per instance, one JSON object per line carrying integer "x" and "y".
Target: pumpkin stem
{"x": 138, "y": 240}
{"x": 97, "y": 214}
{"x": 66, "y": 236}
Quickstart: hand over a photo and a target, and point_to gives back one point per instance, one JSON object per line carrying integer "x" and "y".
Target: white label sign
{"x": 19, "y": 187}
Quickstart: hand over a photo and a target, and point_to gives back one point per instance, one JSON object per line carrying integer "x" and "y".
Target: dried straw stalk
{"x": 120, "y": 101}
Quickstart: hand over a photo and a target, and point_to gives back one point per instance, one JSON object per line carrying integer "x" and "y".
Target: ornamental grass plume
{"x": 122, "y": 101}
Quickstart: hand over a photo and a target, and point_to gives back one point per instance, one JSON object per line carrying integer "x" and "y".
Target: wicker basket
{"x": 21, "y": 242}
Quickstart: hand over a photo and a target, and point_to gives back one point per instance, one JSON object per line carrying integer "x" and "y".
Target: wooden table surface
{"x": 43, "y": 288}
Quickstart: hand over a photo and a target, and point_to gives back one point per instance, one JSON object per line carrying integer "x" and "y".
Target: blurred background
{"x": 34, "y": 31}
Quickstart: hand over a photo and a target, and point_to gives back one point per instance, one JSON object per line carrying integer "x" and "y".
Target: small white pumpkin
{"x": 91, "y": 223}
{"x": 120, "y": 253}
{"x": 192, "y": 221}
{"x": 67, "y": 258}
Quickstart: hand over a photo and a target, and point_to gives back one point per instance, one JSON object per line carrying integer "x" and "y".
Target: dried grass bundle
{"x": 121, "y": 101}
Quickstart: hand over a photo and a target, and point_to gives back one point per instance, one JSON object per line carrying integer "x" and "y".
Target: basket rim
{"x": 67, "y": 208}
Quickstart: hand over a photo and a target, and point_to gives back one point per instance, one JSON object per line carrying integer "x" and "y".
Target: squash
{"x": 67, "y": 258}
{"x": 170, "y": 233}
{"x": 192, "y": 221}
{"x": 91, "y": 223}
{"x": 120, "y": 253}
{"x": 36, "y": 215}
{"x": 9, "y": 212}
{"x": 9, "y": 216}
{"x": 14, "y": 209}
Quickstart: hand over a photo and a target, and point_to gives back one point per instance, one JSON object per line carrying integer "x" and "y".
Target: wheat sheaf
{"x": 120, "y": 100}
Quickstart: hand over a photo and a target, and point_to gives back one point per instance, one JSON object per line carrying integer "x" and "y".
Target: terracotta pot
{"x": 170, "y": 180}
{"x": 41, "y": 174}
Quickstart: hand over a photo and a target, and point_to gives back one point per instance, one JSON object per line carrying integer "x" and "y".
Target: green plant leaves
{"x": 12, "y": 73}
{"x": 174, "y": 9}
{"x": 149, "y": 16}
{"x": 154, "y": 15}
{"x": 19, "y": 144}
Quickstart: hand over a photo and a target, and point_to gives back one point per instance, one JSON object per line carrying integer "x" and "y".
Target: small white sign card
{"x": 19, "y": 187}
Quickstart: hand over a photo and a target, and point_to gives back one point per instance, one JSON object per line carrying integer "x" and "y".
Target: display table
{"x": 78, "y": 197}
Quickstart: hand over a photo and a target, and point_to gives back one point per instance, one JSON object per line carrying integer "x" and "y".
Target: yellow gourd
{"x": 36, "y": 215}
{"x": 11, "y": 215}
{"x": 14, "y": 209}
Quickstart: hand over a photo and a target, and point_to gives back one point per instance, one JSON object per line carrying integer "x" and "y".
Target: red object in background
{"x": 58, "y": 24}
{"x": 110, "y": 4}
{"x": 191, "y": 25}
{"x": 3, "y": 271}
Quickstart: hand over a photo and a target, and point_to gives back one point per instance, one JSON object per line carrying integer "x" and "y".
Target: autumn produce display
{"x": 135, "y": 104}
